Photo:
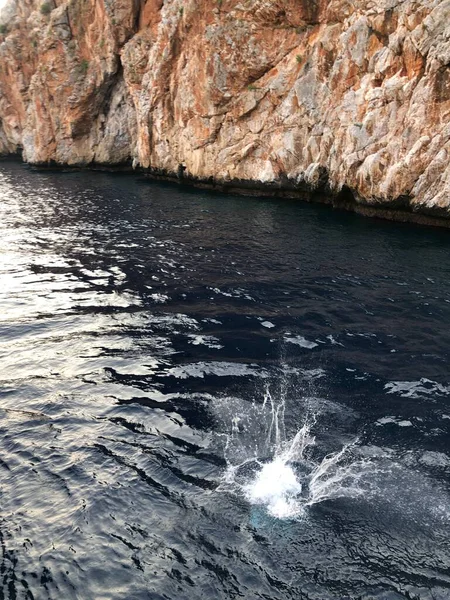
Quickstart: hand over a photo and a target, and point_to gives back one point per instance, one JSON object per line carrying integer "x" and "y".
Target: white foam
{"x": 159, "y": 298}
{"x": 234, "y": 293}
{"x": 435, "y": 459}
{"x": 220, "y": 369}
{"x": 299, "y": 340}
{"x": 276, "y": 487}
{"x": 417, "y": 389}
{"x": 333, "y": 341}
{"x": 205, "y": 340}
{"x": 394, "y": 421}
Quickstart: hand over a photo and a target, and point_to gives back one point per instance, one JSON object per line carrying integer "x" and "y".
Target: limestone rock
{"x": 333, "y": 95}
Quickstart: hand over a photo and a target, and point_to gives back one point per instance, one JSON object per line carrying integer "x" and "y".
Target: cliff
{"x": 330, "y": 95}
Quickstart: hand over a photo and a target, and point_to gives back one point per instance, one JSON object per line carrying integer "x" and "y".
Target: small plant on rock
{"x": 46, "y": 8}
{"x": 3, "y": 29}
{"x": 84, "y": 66}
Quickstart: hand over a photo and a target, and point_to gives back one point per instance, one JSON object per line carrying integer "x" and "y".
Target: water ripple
{"x": 143, "y": 326}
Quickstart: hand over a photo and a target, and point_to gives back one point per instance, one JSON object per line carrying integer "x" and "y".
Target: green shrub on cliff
{"x": 3, "y": 29}
{"x": 46, "y": 8}
{"x": 84, "y": 66}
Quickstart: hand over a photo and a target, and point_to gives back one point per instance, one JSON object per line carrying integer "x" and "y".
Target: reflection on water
{"x": 210, "y": 397}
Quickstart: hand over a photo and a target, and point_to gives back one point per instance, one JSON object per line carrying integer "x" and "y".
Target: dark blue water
{"x": 142, "y": 327}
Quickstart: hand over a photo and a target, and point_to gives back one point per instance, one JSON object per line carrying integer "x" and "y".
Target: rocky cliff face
{"x": 330, "y": 94}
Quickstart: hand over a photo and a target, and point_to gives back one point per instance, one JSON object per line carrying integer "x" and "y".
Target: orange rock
{"x": 344, "y": 93}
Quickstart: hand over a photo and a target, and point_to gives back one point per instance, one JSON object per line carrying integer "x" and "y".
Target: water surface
{"x": 215, "y": 397}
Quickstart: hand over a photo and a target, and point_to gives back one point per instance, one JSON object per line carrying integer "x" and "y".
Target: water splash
{"x": 279, "y": 472}
{"x": 287, "y": 473}
{"x": 277, "y": 487}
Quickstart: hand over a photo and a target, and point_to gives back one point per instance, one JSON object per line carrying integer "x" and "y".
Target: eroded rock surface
{"x": 347, "y": 95}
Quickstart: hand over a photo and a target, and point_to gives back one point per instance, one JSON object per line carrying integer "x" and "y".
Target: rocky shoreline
{"x": 343, "y": 201}
{"x": 342, "y": 103}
